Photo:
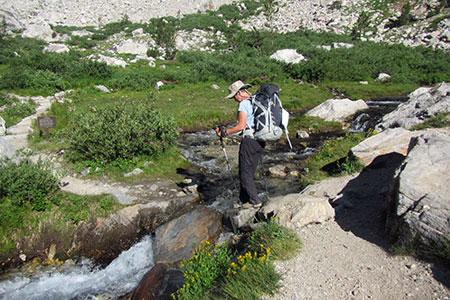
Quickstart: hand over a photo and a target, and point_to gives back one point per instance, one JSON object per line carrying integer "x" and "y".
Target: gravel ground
{"x": 347, "y": 257}
{"x": 337, "y": 264}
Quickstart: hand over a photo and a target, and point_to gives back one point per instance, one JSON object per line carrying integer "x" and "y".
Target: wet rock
{"x": 104, "y": 239}
{"x": 278, "y": 171}
{"x": 174, "y": 241}
{"x": 241, "y": 219}
{"x": 337, "y": 109}
{"x": 419, "y": 204}
{"x": 301, "y": 134}
{"x": 159, "y": 283}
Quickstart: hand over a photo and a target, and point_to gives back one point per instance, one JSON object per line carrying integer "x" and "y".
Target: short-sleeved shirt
{"x": 246, "y": 106}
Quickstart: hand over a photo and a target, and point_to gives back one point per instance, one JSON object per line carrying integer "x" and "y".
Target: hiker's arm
{"x": 242, "y": 122}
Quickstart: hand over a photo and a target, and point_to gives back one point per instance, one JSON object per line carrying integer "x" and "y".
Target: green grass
{"x": 21, "y": 224}
{"x": 334, "y": 155}
{"x": 312, "y": 125}
{"x": 282, "y": 241}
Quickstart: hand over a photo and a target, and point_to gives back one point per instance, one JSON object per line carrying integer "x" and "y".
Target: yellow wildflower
{"x": 244, "y": 267}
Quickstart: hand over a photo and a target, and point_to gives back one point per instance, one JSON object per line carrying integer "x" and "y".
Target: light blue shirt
{"x": 246, "y": 106}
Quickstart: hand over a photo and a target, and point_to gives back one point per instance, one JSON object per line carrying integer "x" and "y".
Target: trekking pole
{"x": 265, "y": 179}
{"x": 226, "y": 157}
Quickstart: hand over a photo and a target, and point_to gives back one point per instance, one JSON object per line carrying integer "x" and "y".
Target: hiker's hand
{"x": 220, "y": 131}
{"x": 223, "y": 131}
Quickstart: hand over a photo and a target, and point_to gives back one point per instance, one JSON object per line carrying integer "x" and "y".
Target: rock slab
{"x": 422, "y": 207}
{"x": 176, "y": 240}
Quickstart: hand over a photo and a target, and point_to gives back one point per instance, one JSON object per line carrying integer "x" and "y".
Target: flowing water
{"x": 83, "y": 281}
{"x": 217, "y": 180}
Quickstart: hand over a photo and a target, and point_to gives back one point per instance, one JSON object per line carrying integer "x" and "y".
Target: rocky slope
{"x": 429, "y": 22}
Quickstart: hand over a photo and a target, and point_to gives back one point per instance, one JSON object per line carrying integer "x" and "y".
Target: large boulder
{"x": 132, "y": 46}
{"x": 297, "y": 210}
{"x": 159, "y": 283}
{"x": 288, "y": 56}
{"x": 420, "y": 203}
{"x": 423, "y": 103}
{"x": 389, "y": 141}
{"x": 41, "y": 31}
{"x": 104, "y": 239}
{"x": 56, "y": 48}
{"x": 337, "y": 110}
{"x": 2, "y": 126}
{"x": 176, "y": 240}
{"x": 6, "y": 149}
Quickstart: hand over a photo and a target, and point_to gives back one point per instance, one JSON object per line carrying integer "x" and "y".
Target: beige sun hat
{"x": 235, "y": 87}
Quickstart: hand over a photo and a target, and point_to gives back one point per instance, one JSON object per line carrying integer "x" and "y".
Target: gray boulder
{"x": 297, "y": 210}
{"x": 6, "y": 149}
{"x": 288, "y": 56}
{"x": 2, "y": 126}
{"x": 389, "y": 141}
{"x": 132, "y": 46}
{"x": 104, "y": 239}
{"x": 423, "y": 103}
{"x": 57, "y": 48}
{"x": 420, "y": 208}
{"x": 337, "y": 109}
{"x": 41, "y": 31}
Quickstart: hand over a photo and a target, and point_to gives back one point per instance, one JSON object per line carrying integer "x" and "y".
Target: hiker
{"x": 250, "y": 150}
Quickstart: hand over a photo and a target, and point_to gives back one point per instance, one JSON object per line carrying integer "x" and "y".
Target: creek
{"x": 216, "y": 181}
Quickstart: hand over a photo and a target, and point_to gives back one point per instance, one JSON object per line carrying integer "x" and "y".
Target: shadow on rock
{"x": 361, "y": 207}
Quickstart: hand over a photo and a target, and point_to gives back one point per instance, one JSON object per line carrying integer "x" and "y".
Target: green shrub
{"x": 119, "y": 131}
{"x": 4, "y": 99}
{"x": 45, "y": 80}
{"x": 27, "y": 182}
{"x": 15, "y": 113}
{"x": 163, "y": 31}
{"x": 135, "y": 80}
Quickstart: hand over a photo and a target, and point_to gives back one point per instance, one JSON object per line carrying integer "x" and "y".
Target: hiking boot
{"x": 249, "y": 205}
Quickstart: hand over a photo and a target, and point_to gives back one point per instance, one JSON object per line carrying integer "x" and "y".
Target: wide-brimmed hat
{"x": 235, "y": 87}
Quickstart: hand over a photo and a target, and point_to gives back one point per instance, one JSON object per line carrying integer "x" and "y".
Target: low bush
{"x": 135, "y": 80}
{"x": 26, "y": 182}
{"x": 12, "y": 114}
{"x": 119, "y": 131}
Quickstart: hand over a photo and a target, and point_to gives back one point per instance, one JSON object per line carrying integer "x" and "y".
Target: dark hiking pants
{"x": 250, "y": 152}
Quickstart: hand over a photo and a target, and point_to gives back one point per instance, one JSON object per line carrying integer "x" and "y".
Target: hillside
{"x": 413, "y": 23}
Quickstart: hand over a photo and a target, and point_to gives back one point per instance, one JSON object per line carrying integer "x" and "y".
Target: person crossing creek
{"x": 250, "y": 149}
